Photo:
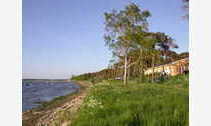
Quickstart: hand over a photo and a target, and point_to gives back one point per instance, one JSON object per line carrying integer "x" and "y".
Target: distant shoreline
{"x": 46, "y": 80}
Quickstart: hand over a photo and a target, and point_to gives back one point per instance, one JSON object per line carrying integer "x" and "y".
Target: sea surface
{"x": 35, "y": 92}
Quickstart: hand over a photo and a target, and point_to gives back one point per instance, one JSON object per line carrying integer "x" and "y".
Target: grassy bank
{"x": 109, "y": 103}
{"x": 31, "y": 117}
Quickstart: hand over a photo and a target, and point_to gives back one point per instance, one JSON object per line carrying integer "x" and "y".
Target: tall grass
{"x": 109, "y": 103}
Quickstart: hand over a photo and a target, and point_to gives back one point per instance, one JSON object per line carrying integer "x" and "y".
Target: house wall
{"x": 174, "y": 68}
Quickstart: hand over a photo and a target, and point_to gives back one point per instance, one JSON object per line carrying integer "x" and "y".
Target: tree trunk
{"x": 141, "y": 63}
{"x": 125, "y": 70}
{"x": 164, "y": 61}
{"x": 128, "y": 73}
{"x": 153, "y": 68}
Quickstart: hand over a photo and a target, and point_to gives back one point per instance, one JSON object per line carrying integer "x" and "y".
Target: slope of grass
{"x": 180, "y": 80}
{"x": 109, "y": 103}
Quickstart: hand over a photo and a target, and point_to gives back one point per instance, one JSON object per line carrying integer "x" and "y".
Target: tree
{"x": 183, "y": 55}
{"x": 120, "y": 29}
{"x": 186, "y": 7}
{"x": 145, "y": 44}
{"x": 165, "y": 43}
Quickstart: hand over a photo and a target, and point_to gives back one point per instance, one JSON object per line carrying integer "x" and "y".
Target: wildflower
{"x": 93, "y": 103}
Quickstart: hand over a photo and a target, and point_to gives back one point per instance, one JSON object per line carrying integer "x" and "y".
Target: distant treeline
{"x": 113, "y": 72}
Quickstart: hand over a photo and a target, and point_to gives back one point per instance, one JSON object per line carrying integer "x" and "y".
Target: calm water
{"x": 33, "y": 92}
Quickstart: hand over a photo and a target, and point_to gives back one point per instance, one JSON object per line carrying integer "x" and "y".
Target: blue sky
{"x": 65, "y": 37}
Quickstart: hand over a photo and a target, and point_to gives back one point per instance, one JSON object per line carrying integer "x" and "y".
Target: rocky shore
{"x": 54, "y": 112}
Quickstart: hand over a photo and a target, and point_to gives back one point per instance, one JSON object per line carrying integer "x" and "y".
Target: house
{"x": 172, "y": 69}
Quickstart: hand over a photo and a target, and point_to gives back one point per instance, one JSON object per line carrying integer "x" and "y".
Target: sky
{"x": 65, "y": 37}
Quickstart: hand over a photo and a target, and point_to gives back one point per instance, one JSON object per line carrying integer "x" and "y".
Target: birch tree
{"x": 120, "y": 27}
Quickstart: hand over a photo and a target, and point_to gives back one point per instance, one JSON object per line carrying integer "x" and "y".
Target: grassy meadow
{"x": 110, "y": 103}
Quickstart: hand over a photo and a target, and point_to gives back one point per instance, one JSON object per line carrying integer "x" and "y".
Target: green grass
{"x": 109, "y": 103}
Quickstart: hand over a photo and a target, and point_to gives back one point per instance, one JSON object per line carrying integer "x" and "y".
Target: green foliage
{"x": 109, "y": 103}
{"x": 178, "y": 81}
